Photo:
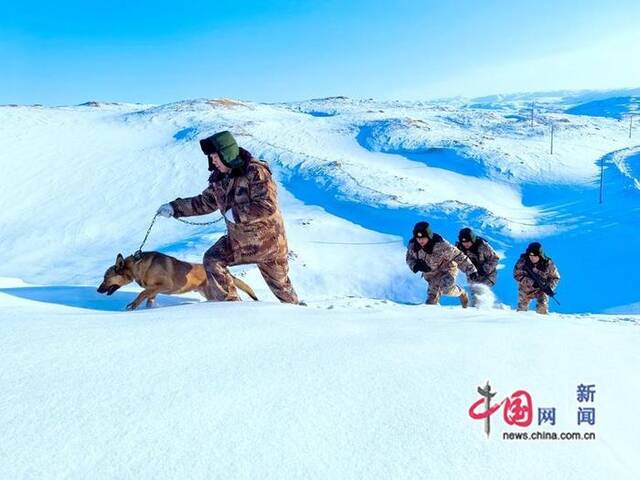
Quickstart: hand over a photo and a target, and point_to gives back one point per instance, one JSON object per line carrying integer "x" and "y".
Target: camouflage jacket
{"x": 440, "y": 256}
{"x": 251, "y": 195}
{"x": 483, "y": 257}
{"x": 545, "y": 268}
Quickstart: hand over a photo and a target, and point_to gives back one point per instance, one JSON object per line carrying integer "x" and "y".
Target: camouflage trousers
{"x": 442, "y": 284}
{"x": 525, "y": 297}
{"x": 220, "y": 286}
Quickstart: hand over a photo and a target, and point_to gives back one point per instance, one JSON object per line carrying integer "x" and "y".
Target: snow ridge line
{"x": 378, "y": 195}
{"x": 619, "y": 159}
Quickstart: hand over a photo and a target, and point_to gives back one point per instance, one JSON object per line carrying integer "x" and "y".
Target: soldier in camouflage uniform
{"x": 242, "y": 188}
{"x": 438, "y": 261}
{"x": 483, "y": 257}
{"x": 535, "y": 259}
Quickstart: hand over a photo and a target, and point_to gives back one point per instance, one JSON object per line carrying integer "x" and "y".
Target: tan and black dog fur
{"x": 159, "y": 273}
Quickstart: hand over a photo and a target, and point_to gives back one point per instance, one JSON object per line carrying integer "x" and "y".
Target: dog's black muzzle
{"x": 108, "y": 290}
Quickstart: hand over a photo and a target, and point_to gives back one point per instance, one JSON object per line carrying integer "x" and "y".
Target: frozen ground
{"x": 85, "y": 181}
{"x": 354, "y": 388}
{"x": 365, "y": 382}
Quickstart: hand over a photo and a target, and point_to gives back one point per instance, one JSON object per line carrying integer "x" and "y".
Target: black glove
{"x": 421, "y": 266}
{"x": 473, "y": 277}
{"x": 482, "y": 271}
{"x": 548, "y": 291}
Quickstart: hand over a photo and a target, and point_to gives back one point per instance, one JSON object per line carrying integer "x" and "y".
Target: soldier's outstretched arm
{"x": 518, "y": 271}
{"x": 491, "y": 257}
{"x": 464, "y": 264}
{"x": 411, "y": 257}
{"x": 553, "y": 275}
{"x": 198, "y": 205}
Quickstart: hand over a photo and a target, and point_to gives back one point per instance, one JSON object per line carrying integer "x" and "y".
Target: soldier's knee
{"x": 209, "y": 261}
{"x": 212, "y": 258}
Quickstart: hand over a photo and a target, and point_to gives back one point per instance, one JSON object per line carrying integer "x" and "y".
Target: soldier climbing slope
{"x": 483, "y": 257}
{"x": 537, "y": 278}
{"x": 242, "y": 188}
{"x": 438, "y": 261}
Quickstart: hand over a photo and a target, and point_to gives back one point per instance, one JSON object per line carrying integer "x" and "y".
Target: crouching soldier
{"x": 537, "y": 278}
{"x": 242, "y": 188}
{"x": 438, "y": 261}
{"x": 483, "y": 257}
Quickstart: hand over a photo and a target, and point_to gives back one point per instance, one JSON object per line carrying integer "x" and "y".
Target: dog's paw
{"x": 131, "y": 306}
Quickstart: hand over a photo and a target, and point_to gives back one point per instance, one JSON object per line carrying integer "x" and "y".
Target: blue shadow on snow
{"x": 591, "y": 249}
{"x": 87, "y": 297}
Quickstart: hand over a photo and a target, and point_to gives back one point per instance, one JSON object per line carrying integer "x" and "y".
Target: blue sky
{"x": 68, "y": 52}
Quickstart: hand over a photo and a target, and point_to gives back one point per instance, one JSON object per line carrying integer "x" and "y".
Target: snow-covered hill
{"x": 353, "y": 388}
{"x": 365, "y": 382}
{"x": 82, "y": 184}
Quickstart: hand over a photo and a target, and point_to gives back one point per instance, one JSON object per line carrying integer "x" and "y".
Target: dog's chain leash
{"x": 138, "y": 252}
{"x": 199, "y": 223}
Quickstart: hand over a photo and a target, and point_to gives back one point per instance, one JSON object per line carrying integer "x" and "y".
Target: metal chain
{"x": 139, "y": 251}
{"x": 199, "y": 223}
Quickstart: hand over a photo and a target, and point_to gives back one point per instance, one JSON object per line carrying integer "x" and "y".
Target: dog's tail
{"x": 245, "y": 288}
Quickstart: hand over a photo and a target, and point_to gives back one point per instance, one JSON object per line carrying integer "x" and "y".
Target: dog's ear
{"x": 119, "y": 262}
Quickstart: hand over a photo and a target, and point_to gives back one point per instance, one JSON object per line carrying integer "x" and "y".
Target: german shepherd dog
{"x": 159, "y": 273}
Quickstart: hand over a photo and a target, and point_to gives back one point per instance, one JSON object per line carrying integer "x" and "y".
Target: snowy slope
{"x": 355, "y": 175}
{"x": 365, "y": 382}
{"x": 617, "y": 107}
{"x": 355, "y": 388}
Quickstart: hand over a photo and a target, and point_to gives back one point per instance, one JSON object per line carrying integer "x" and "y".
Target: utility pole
{"x": 532, "y": 105}
{"x": 552, "y": 139}
{"x": 601, "y": 177}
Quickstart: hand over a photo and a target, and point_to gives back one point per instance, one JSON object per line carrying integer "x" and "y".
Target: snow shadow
{"x": 616, "y": 107}
{"x": 591, "y": 248}
{"x": 451, "y": 159}
{"x": 316, "y": 113}
{"x": 186, "y": 134}
{"x": 446, "y": 159}
{"x": 592, "y": 253}
{"x": 313, "y": 189}
{"x": 631, "y": 169}
{"x": 87, "y": 297}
